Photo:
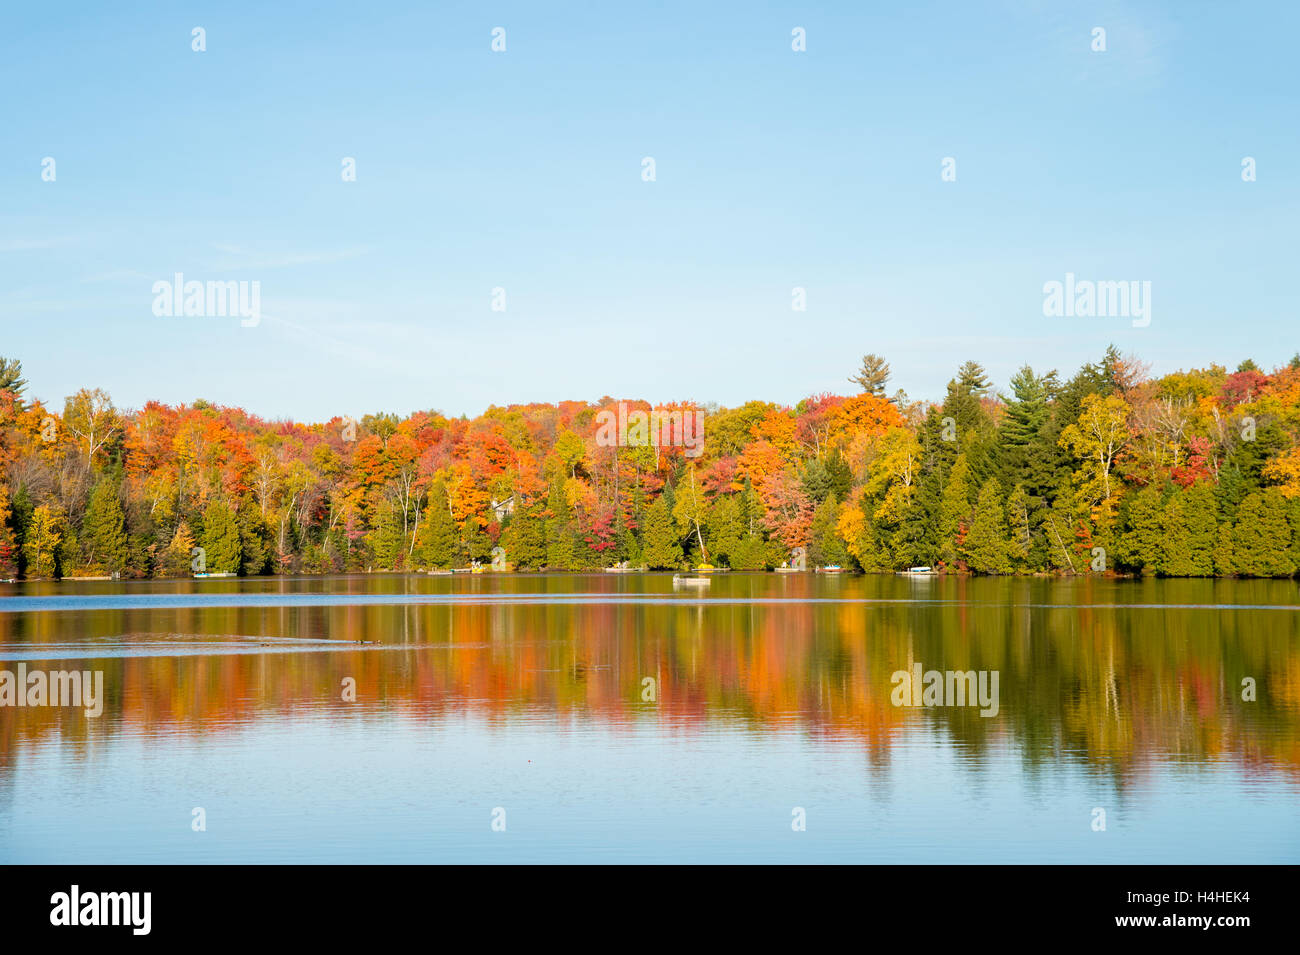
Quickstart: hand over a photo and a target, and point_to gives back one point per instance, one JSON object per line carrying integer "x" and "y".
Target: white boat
{"x": 680, "y": 581}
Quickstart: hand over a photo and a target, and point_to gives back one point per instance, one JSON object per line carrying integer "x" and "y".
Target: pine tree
{"x": 972, "y": 379}
{"x": 873, "y": 376}
{"x": 1188, "y": 533}
{"x": 254, "y": 538}
{"x": 1021, "y": 541}
{"x": 750, "y": 509}
{"x": 221, "y": 546}
{"x": 913, "y": 542}
{"x": 524, "y": 538}
{"x": 386, "y": 537}
{"x": 561, "y": 554}
{"x": 839, "y": 476}
{"x": 103, "y": 530}
{"x": 662, "y": 549}
{"x": 1262, "y": 537}
{"x": 725, "y": 528}
{"x": 752, "y": 554}
{"x": 954, "y": 511}
{"x": 478, "y": 545}
{"x": 1225, "y": 558}
{"x": 1229, "y": 492}
{"x": 826, "y": 548}
{"x": 815, "y": 480}
{"x": 438, "y": 538}
{"x": 1027, "y": 413}
{"x": 12, "y": 380}
{"x": 986, "y": 547}
{"x": 1293, "y": 520}
{"x": 1140, "y": 544}
{"x": 975, "y": 434}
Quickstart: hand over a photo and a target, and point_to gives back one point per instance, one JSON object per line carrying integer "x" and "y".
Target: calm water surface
{"x": 772, "y": 692}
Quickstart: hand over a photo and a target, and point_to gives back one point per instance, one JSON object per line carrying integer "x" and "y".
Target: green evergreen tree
{"x": 662, "y": 548}
{"x": 839, "y": 476}
{"x": 913, "y": 542}
{"x": 103, "y": 530}
{"x": 438, "y": 538}
{"x": 561, "y": 553}
{"x": 1293, "y": 521}
{"x": 478, "y": 545}
{"x": 972, "y": 380}
{"x": 826, "y": 548}
{"x": 954, "y": 511}
{"x": 987, "y": 545}
{"x": 1026, "y": 412}
{"x": 976, "y": 438}
{"x": 1140, "y": 544}
{"x": 1027, "y": 455}
{"x": 254, "y": 539}
{"x": 1225, "y": 560}
{"x": 386, "y": 538}
{"x": 1021, "y": 540}
{"x": 221, "y": 544}
{"x": 12, "y": 380}
{"x": 815, "y": 480}
{"x": 524, "y": 538}
{"x": 1188, "y": 533}
{"x": 752, "y": 554}
{"x": 1262, "y": 536}
{"x": 1229, "y": 492}
{"x": 750, "y": 509}
{"x": 725, "y": 528}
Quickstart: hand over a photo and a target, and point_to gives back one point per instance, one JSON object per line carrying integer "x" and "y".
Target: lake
{"x": 613, "y": 718}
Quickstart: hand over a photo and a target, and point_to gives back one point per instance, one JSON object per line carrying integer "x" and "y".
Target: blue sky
{"x": 522, "y": 170}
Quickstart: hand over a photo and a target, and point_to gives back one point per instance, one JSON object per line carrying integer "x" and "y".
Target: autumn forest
{"x": 1107, "y": 471}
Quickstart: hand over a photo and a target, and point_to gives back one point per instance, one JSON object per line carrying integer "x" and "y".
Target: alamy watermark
{"x": 919, "y": 687}
{"x": 53, "y": 688}
{"x": 75, "y": 907}
{"x": 211, "y": 299}
{"x": 657, "y": 427}
{"x": 1088, "y": 299}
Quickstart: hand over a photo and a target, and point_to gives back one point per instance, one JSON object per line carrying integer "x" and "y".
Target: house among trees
{"x": 503, "y": 509}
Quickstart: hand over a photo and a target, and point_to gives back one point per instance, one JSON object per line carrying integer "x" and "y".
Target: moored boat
{"x": 682, "y": 581}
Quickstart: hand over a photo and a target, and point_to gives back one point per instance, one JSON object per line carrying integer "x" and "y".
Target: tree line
{"x": 1194, "y": 473}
